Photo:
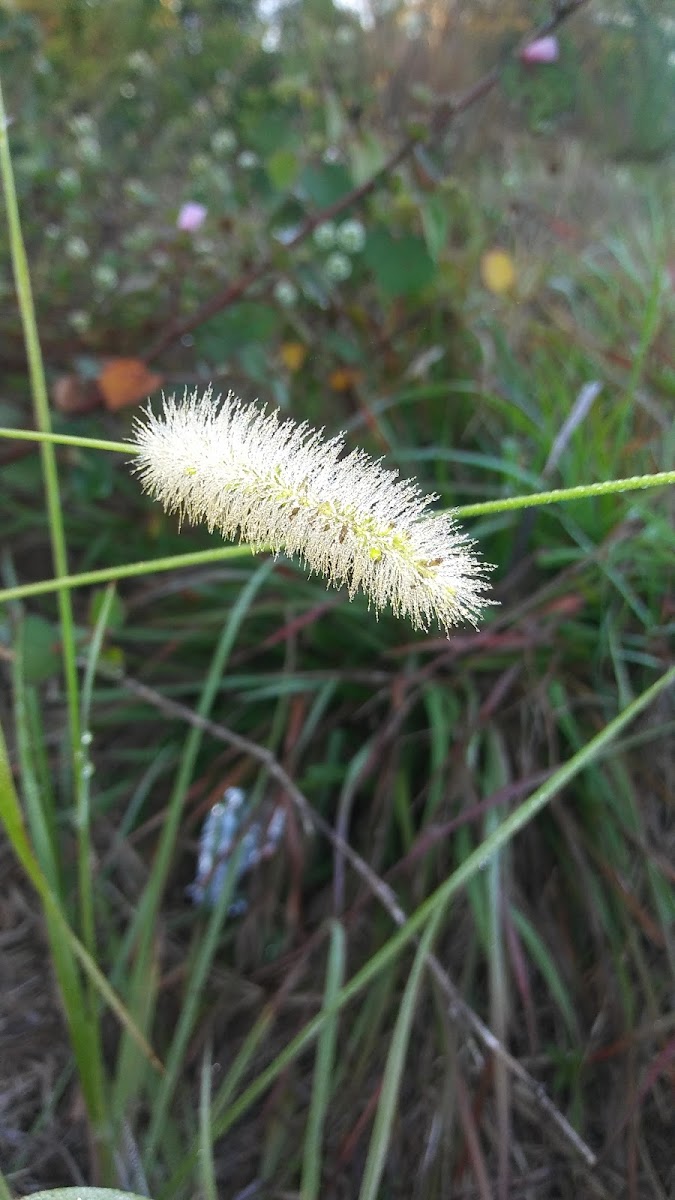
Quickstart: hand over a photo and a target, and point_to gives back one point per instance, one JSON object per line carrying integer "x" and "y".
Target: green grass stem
{"x": 151, "y": 566}
{"x": 391, "y": 1081}
{"x": 207, "y": 1171}
{"x": 12, "y": 819}
{"x": 90, "y": 1058}
{"x": 438, "y": 900}
{"x": 324, "y": 1068}
{"x": 47, "y": 438}
{"x": 142, "y": 931}
{"x": 609, "y": 487}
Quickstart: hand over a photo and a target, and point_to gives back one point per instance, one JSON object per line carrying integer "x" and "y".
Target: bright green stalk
{"x": 11, "y": 817}
{"x": 91, "y": 1065}
{"x": 199, "y": 558}
{"x": 48, "y": 438}
{"x": 607, "y": 487}
{"x": 43, "y": 421}
{"x": 196, "y": 558}
{"x": 83, "y": 813}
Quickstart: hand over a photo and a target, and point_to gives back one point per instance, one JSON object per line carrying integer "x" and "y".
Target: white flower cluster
{"x": 285, "y": 293}
{"x": 283, "y": 486}
{"x": 224, "y": 141}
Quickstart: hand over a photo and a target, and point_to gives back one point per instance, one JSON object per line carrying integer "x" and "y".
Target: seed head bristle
{"x": 278, "y": 484}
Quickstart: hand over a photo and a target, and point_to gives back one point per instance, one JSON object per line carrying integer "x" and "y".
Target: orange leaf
{"x": 344, "y": 378}
{"x": 125, "y": 381}
{"x": 293, "y": 355}
{"x": 498, "y": 272}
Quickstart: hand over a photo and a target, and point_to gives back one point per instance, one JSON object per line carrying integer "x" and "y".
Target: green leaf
{"x": 335, "y": 118}
{"x": 266, "y": 131}
{"x": 113, "y": 658}
{"x": 324, "y": 1070}
{"x": 243, "y": 325}
{"x": 401, "y": 266}
{"x": 92, "y": 480}
{"x": 435, "y": 216}
{"x": 544, "y": 961}
{"x": 367, "y": 156}
{"x": 383, "y": 1127}
{"x": 345, "y": 348}
{"x": 254, "y": 362}
{"x": 116, "y": 614}
{"x": 325, "y": 184}
{"x": 40, "y": 649}
{"x": 282, "y": 169}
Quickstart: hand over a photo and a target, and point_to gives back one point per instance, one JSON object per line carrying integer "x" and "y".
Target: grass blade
{"x": 142, "y": 930}
{"x": 391, "y": 1081}
{"x": 206, "y": 1166}
{"x": 10, "y": 815}
{"x": 476, "y": 861}
{"x": 323, "y": 1068}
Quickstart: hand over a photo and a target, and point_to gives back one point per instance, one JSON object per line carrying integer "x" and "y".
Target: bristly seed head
{"x": 276, "y": 484}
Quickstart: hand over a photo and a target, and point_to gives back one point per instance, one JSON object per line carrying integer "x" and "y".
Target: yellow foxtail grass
{"x": 283, "y": 486}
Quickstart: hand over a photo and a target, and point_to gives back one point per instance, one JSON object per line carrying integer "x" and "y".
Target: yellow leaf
{"x": 344, "y": 378}
{"x": 498, "y": 272}
{"x": 293, "y": 355}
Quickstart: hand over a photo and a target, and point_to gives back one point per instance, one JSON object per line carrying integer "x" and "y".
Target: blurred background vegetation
{"x": 495, "y": 315}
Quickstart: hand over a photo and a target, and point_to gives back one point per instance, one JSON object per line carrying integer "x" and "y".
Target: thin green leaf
{"x": 323, "y": 1084}
{"x": 435, "y": 903}
{"x": 545, "y": 964}
{"x": 206, "y": 1164}
{"x": 391, "y": 1081}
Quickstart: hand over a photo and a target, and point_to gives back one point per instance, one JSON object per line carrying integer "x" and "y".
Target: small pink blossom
{"x": 543, "y": 50}
{"x": 191, "y": 217}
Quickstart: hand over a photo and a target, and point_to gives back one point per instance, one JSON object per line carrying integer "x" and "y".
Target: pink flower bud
{"x": 543, "y": 50}
{"x": 191, "y": 217}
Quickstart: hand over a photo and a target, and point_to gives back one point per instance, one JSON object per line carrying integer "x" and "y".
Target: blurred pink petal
{"x": 544, "y": 50}
{"x": 191, "y": 217}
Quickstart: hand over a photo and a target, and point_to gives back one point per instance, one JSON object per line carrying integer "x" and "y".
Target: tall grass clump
{"x": 438, "y": 912}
